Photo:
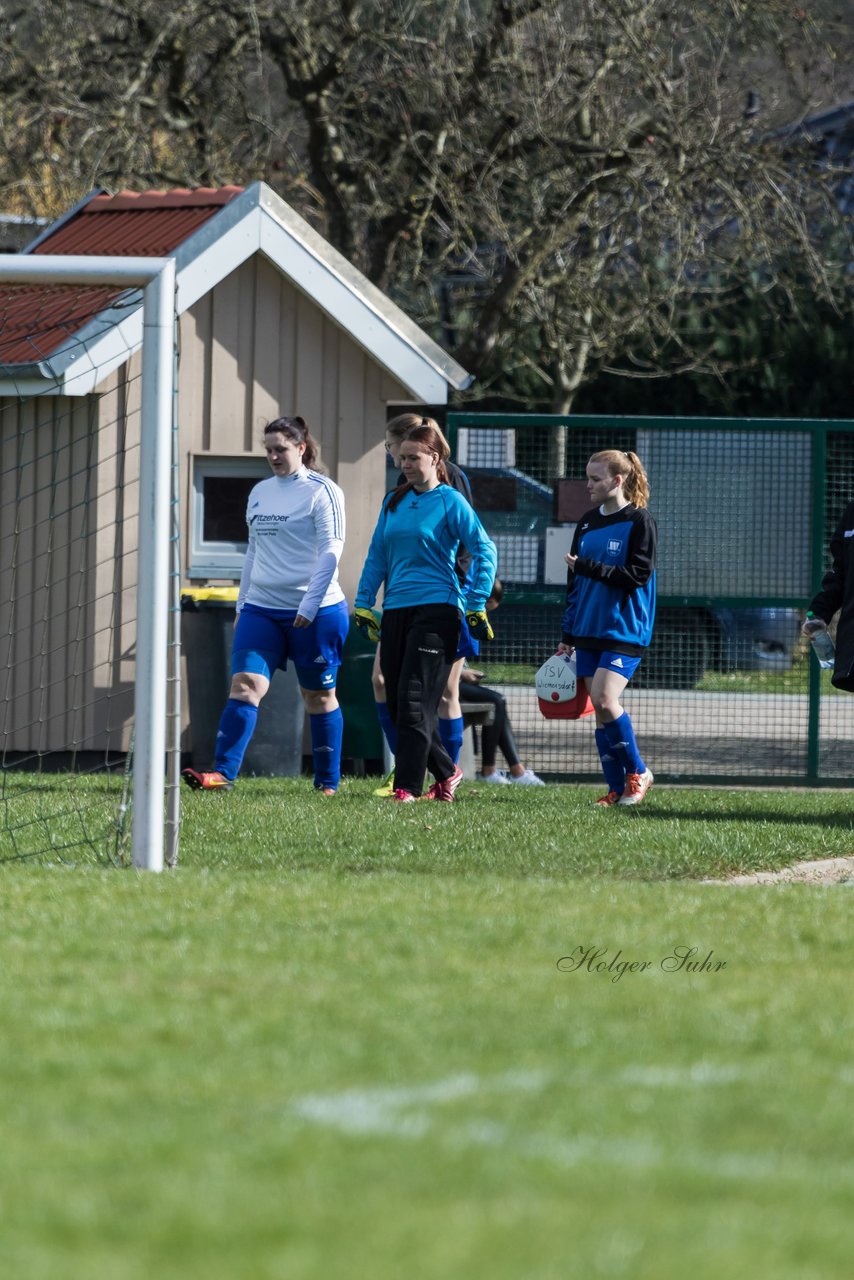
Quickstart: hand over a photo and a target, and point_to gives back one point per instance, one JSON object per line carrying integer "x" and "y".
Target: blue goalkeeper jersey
{"x": 610, "y": 599}
{"x": 413, "y": 552}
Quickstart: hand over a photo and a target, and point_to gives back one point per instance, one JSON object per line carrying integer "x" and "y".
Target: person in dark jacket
{"x": 499, "y": 735}
{"x": 836, "y": 595}
{"x": 450, "y": 716}
{"x": 412, "y": 558}
{"x": 610, "y": 609}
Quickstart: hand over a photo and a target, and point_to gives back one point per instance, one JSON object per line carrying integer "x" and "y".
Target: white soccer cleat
{"x": 499, "y": 776}
{"x": 637, "y": 785}
{"x": 527, "y": 779}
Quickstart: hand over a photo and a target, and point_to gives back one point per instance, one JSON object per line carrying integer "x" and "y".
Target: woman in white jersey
{"x": 289, "y": 606}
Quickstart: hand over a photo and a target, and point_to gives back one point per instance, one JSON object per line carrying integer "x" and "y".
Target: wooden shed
{"x": 272, "y": 320}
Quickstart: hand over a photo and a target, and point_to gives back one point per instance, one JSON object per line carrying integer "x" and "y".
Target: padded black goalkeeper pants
{"x": 417, "y": 649}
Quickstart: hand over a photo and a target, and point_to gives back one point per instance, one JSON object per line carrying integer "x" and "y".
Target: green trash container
{"x": 363, "y": 742}
{"x": 207, "y": 630}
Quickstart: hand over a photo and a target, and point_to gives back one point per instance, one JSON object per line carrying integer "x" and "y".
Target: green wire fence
{"x": 729, "y": 692}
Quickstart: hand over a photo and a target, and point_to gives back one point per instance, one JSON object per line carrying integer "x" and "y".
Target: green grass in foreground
{"x": 554, "y": 831}
{"x": 337, "y": 1041}
{"x": 224, "y": 1075}
{"x": 283, "y": 825}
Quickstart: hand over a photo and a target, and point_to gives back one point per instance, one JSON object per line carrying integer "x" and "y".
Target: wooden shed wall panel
{"x": 266, "y": 400}
{"x": 16, "y": 434}
{"x": 325, "y": 426}
{"x": 350, "y": 428}
{"x": 361, "y": 468}
{"x": 313, "y": 370}
{"x": 227, "y": 392}
{"x": 68, "y": 551}
{"x": 287, "y": 334}
{"x": 247, "y": 277}
{"x": 116, "y": 563}
{"x": 194, "y": 360}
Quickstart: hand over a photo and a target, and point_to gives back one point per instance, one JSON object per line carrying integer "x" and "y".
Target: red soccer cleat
{"x": 445, "y": 790}
{"x": 613, "y": 797}
{"x": 213, "y": 781}
{"x": 402, "y": 797}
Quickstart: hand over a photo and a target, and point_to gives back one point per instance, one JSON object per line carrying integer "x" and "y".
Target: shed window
{"x": 221, "y": 487}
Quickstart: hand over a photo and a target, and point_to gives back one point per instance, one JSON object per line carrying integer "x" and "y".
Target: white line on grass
{"x": 380, "y": 1110}
{"x": 411, "y": 1112}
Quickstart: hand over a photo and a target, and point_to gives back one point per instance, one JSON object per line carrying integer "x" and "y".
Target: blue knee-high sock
{"x": 451, "y": 734}
{"x": 621, "y": 740}
{"x": 236, "y": 727}
{"x": 327, "y": 730}
{"x": 387, "y": 725}
{"x": 615, "y": 774}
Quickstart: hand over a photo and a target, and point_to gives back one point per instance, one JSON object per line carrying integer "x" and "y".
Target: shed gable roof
{"x": 37, "y": 320}
{"x": 72, "y": 337}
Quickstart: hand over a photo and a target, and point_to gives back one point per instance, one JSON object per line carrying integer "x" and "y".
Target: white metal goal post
{"x": 156, "y": 278}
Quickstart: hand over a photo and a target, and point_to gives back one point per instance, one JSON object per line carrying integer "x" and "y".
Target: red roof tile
{"x": 36, "y": 319}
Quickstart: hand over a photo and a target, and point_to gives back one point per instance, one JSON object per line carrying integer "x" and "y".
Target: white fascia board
{"x": 218, "y": 259}
{"x": 351, "y": 313}
{"x": 97, "y": 359}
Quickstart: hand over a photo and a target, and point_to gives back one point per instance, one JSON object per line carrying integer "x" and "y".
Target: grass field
{"x": 349, "y": 1039}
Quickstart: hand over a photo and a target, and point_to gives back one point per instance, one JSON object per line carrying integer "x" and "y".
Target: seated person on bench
{"x": 498, "y": 735}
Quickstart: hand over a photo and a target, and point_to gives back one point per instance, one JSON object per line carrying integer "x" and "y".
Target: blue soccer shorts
{"x": 265, "y": 639}
{"x": 468, "y": 647}
{"x": 588, "y": 661}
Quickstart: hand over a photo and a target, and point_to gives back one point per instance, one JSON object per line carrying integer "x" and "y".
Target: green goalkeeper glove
{"x": 368, "y": 623}
{"x": 478, "y": 625}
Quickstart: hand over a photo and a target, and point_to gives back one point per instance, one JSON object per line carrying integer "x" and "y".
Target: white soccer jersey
{"x": 296, "y": 536}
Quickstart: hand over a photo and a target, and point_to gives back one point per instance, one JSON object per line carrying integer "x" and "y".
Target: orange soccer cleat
{"x": 637, "y": 785}
{"x": 213, "y": 781}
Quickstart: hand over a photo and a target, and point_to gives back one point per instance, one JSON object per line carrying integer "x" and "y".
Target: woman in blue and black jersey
{"x": 413, "y": 556}
{"x": 610, "y": 608}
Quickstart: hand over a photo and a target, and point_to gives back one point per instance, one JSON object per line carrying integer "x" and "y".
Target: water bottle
{"x": 822, "y": 644}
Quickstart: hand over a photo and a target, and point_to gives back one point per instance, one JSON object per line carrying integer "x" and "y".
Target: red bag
{"x": 561, "y": 695}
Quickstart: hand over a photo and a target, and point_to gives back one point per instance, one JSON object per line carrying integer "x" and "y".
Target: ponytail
{"x": 629, "y": 466}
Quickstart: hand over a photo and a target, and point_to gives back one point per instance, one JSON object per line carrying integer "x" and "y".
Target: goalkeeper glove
{"x": 368, "y": 623}
{"x": 478, "y": 625}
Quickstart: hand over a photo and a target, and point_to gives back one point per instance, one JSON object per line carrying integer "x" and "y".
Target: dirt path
{"x": 824, "y": 871}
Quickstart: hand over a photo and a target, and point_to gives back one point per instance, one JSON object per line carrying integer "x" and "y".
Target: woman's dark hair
{"x": 296, "y": 430}
{"x": 497, "y": 592}
{"x": 431, "y": 440}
